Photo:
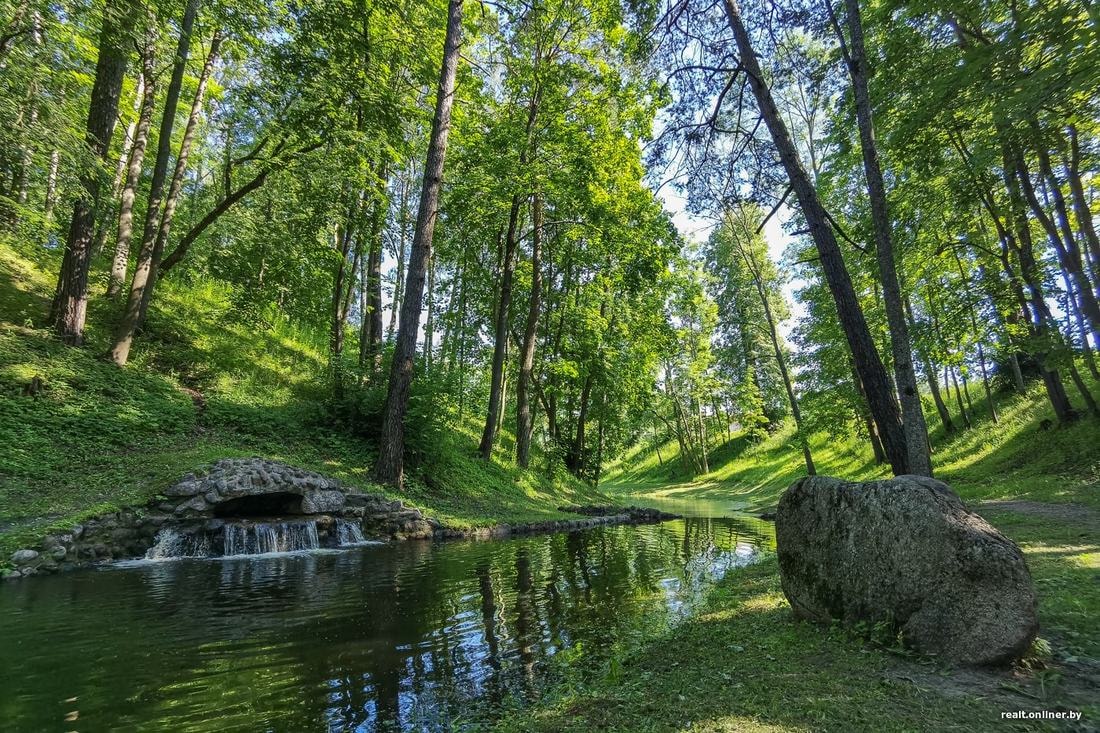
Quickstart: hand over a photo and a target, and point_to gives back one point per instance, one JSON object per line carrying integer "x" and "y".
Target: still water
{"x": 407, "y": 636}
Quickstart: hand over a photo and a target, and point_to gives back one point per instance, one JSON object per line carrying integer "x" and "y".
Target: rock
{"x": 24, "y": 557}
{"x": 58, "y": 552}
{"x": 908, "y": 553}
{"x": 185, "y": 488}
{"x": 194, "y": 504}
{"x": 322, "y": 502}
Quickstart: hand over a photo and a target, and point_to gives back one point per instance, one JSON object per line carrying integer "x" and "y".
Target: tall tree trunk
{"x": 931, "y": 377}
{"x": 399, "y": 278}
{"x": 346, "y": 238}
{"x": 176, "y": 186}
{"x": 370, "y": 327}
{"x": 507, "y": 273}
{"x": 504, "y": 386}
{"x": 51, "y": 186}
{"x": 868, "y": 422}
{"x": 937, "y": 397}
{"x": 1082, "y": 388}
{"x": 71, "y": 302}
{"x": 21, "y": 177}
{"x": 524, "y": 424}
{"x": 1069, "y": 254}
{"x": 374, "y": 275}
{"x": 949, "y": 373}
{"x": 124, "y": 155}
{"x": 773, "y": 333}
{"x": 429, "y": 321}
{"x": 500, "y": 337}
{"x": 657, "y": 446}
{"x": 364, "y": 310}
{"x": 124, "y": 335}
{"x": 1042, "y": 322}
{"x": 391, "y": 453}
{"x": 137, "y": 160}
{"x": 1081, "y": 210}
{"x": 26, "y": 155}
{"x": 985, "y": 385}
{"x": 966, "y": 390}
{"x": 1074, "y": 317}
{"x": 880, "y": 397}
{"x": 576, "y": 454}
{"x": 968, "y": 287}
{"x": 912, "y": 413}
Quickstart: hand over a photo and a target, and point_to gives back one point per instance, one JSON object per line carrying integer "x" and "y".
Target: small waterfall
{"x": 262, "y": 537}
{"x": 170, "y": 544}
{"x": 349, "y": 533}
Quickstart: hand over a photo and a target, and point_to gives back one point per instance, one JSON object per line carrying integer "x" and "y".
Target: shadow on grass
{"x": 745, "y": 665}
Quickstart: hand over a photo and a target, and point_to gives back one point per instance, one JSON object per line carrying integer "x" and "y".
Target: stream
{"x": 406, "y": 636}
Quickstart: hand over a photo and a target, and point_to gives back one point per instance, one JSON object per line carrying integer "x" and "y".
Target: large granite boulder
{"x": 905, "y": 552}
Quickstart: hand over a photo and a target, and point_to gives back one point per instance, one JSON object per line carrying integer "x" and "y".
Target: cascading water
{"x": 253, "y": 538}
{"x": 263, "y": 537}
{"x": 170, "y": 544}
{"x": 349, "y": 533}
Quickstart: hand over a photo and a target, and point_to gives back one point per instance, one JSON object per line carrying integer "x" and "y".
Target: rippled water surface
{"x": 406, "y": 636}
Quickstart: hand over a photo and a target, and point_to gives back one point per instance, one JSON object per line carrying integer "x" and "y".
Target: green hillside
{"x": 207, "y": 382}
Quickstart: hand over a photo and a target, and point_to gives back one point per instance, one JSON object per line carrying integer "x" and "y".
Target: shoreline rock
{"x": 906, "y": 552}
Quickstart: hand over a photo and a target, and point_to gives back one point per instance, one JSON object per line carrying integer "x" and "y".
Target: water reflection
{"x": 410, "y": 636}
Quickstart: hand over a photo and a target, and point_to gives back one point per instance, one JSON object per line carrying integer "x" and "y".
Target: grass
{"x": 206, "y": 381}
{"x": 1013, "y": 460}
{"x": 743, "y": 664}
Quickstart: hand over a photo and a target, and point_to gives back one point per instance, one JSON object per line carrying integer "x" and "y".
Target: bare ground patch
{"x": 1070, "y": 513}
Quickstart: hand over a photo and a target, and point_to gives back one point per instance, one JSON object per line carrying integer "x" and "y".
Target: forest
{"x": 503, "y": 259}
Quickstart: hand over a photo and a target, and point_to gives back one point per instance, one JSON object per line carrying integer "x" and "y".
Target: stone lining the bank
{"x": 192, "y": 505}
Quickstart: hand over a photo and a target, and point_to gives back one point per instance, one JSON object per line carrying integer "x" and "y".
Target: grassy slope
{"x": 1014, "y": 459}
{"x": 743, "y": 665}
{"x": 204, "y": 383}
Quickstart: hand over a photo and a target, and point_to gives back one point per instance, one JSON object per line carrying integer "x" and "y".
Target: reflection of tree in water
{"x": 528, "y": 628}
{"x": 488, "y": 619}
{"x": 404, "y": 636}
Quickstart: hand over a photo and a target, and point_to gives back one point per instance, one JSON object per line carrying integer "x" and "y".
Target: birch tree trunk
{"x": 51, "y": 185}
{"x": 137, "y": 159}
{"x": 176, "y": 186}
{"x": 124, "y": 335}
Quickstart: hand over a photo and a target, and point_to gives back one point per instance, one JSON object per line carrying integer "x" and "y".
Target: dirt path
{"x": 1078, "y": 514}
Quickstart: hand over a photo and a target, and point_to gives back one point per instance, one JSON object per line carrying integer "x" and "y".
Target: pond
{"x": 414, "y": 635}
